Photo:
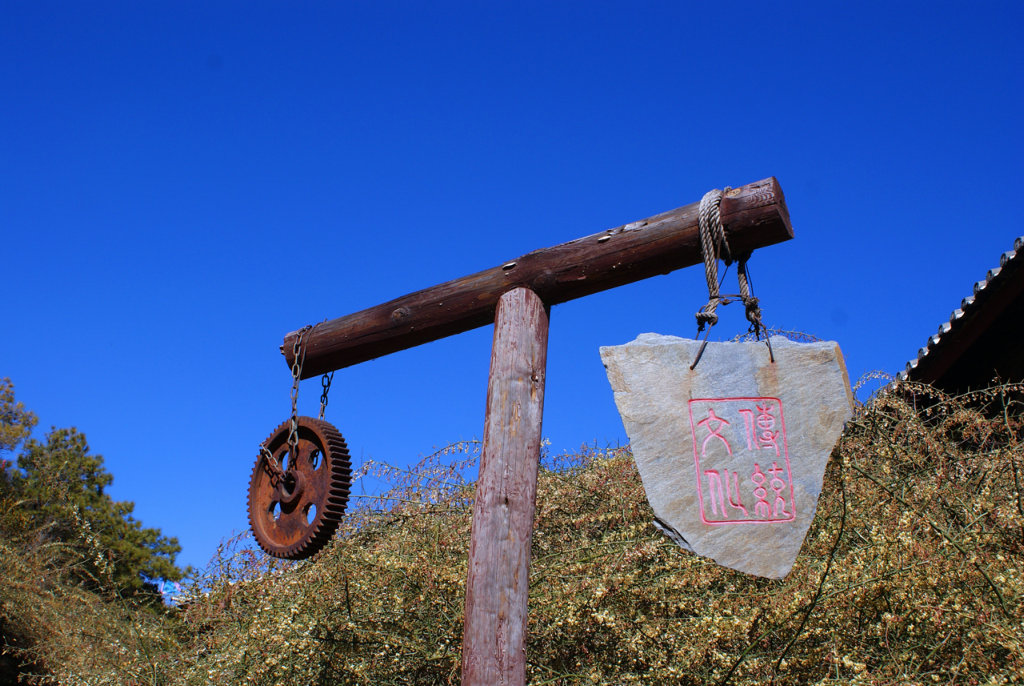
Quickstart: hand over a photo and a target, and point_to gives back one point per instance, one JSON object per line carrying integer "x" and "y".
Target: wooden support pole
{"x": 494, "y": 638}
{"x": 754, "y": 216}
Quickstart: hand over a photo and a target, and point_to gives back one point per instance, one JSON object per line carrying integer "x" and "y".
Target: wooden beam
{"x": 494, "y": 635}
{"x": 754, "y": 216}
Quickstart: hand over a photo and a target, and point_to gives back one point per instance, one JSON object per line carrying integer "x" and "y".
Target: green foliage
{"x": 16, "y": 422}
{"x": 75, "y": 602}
{"x": 64, "y": 486}
{"x": 55, "y": 629}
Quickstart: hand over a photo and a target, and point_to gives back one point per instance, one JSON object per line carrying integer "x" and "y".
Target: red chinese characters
{"x": 742, "y": 461}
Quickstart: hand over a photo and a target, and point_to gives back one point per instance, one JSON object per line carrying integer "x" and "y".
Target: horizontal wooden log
{"x": 754, "y": 216}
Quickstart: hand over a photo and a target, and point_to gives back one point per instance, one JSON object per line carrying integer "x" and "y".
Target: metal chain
{"x": 272, "y": 465}
{"x": 298, "y": 357}
{"x": 325, "y": 381}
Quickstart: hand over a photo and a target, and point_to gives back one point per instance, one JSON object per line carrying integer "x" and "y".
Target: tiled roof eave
{"x": 1011, "y": 264}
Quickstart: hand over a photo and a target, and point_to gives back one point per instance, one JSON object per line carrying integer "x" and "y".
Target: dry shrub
{"x": 911, "y": 574}
{"x": 56, "y": 629}
{"x": 382, "y": 605}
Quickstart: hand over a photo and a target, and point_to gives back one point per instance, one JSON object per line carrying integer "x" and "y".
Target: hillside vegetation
{"x": 912, "y": 573}
{"x": 77, "y": 570}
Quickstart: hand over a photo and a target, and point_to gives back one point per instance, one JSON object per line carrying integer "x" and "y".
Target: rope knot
{"x": 753, "y": 310}
{"x": 705, "y": 317}
{"x": 714, "y": 246}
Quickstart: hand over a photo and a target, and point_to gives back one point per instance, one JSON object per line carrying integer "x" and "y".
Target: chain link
{"x": 277, "y": 473}
{"x": 325, "y": 381}
{"x": 272, "y": 465}
{"x": 298, "y": 357}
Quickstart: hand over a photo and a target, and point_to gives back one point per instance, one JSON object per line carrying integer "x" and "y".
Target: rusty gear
{"x": 294, "y": 515}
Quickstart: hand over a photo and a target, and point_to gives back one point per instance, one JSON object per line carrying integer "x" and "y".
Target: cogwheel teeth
{"x": 293, "y": 518}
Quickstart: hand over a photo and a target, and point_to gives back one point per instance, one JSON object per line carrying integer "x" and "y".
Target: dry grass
{"x": 61, "y": 630}
{"x": 912, "y": 573}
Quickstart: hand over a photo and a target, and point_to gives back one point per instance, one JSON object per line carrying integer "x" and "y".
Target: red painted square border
{"x": 696, "y": 459}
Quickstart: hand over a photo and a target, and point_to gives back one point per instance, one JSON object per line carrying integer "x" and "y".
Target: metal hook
{"x": 700, "y": 353}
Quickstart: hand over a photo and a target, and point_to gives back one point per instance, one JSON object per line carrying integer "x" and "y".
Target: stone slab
{"x": 732, "y": 454}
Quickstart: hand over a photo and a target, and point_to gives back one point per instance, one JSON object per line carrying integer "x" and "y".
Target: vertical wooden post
{"x": 494, "y": 638}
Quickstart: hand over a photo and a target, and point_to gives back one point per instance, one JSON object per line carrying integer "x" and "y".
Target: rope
{"x": 750, "y": 303}
{"x": 714, "y": 246}
{"x": 712, "y": 243}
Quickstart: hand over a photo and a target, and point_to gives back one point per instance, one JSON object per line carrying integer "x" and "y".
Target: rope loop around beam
{"x": 713, "y": 245}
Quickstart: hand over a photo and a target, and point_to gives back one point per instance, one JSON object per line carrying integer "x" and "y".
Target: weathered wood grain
{"x": 494, "y": 638}
{"x": 754, "y": 216}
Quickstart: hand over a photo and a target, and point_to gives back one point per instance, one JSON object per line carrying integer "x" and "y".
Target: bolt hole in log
{"x": 310, "y": 513}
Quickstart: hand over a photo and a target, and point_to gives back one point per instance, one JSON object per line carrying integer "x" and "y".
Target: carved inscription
{"x": 742, "y": 461}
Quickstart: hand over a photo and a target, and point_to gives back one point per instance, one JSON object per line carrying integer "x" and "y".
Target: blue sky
{"x": 183, "y": 183}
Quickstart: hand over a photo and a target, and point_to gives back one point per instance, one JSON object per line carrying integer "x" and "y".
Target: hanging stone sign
{"x": 732, "y": 453}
